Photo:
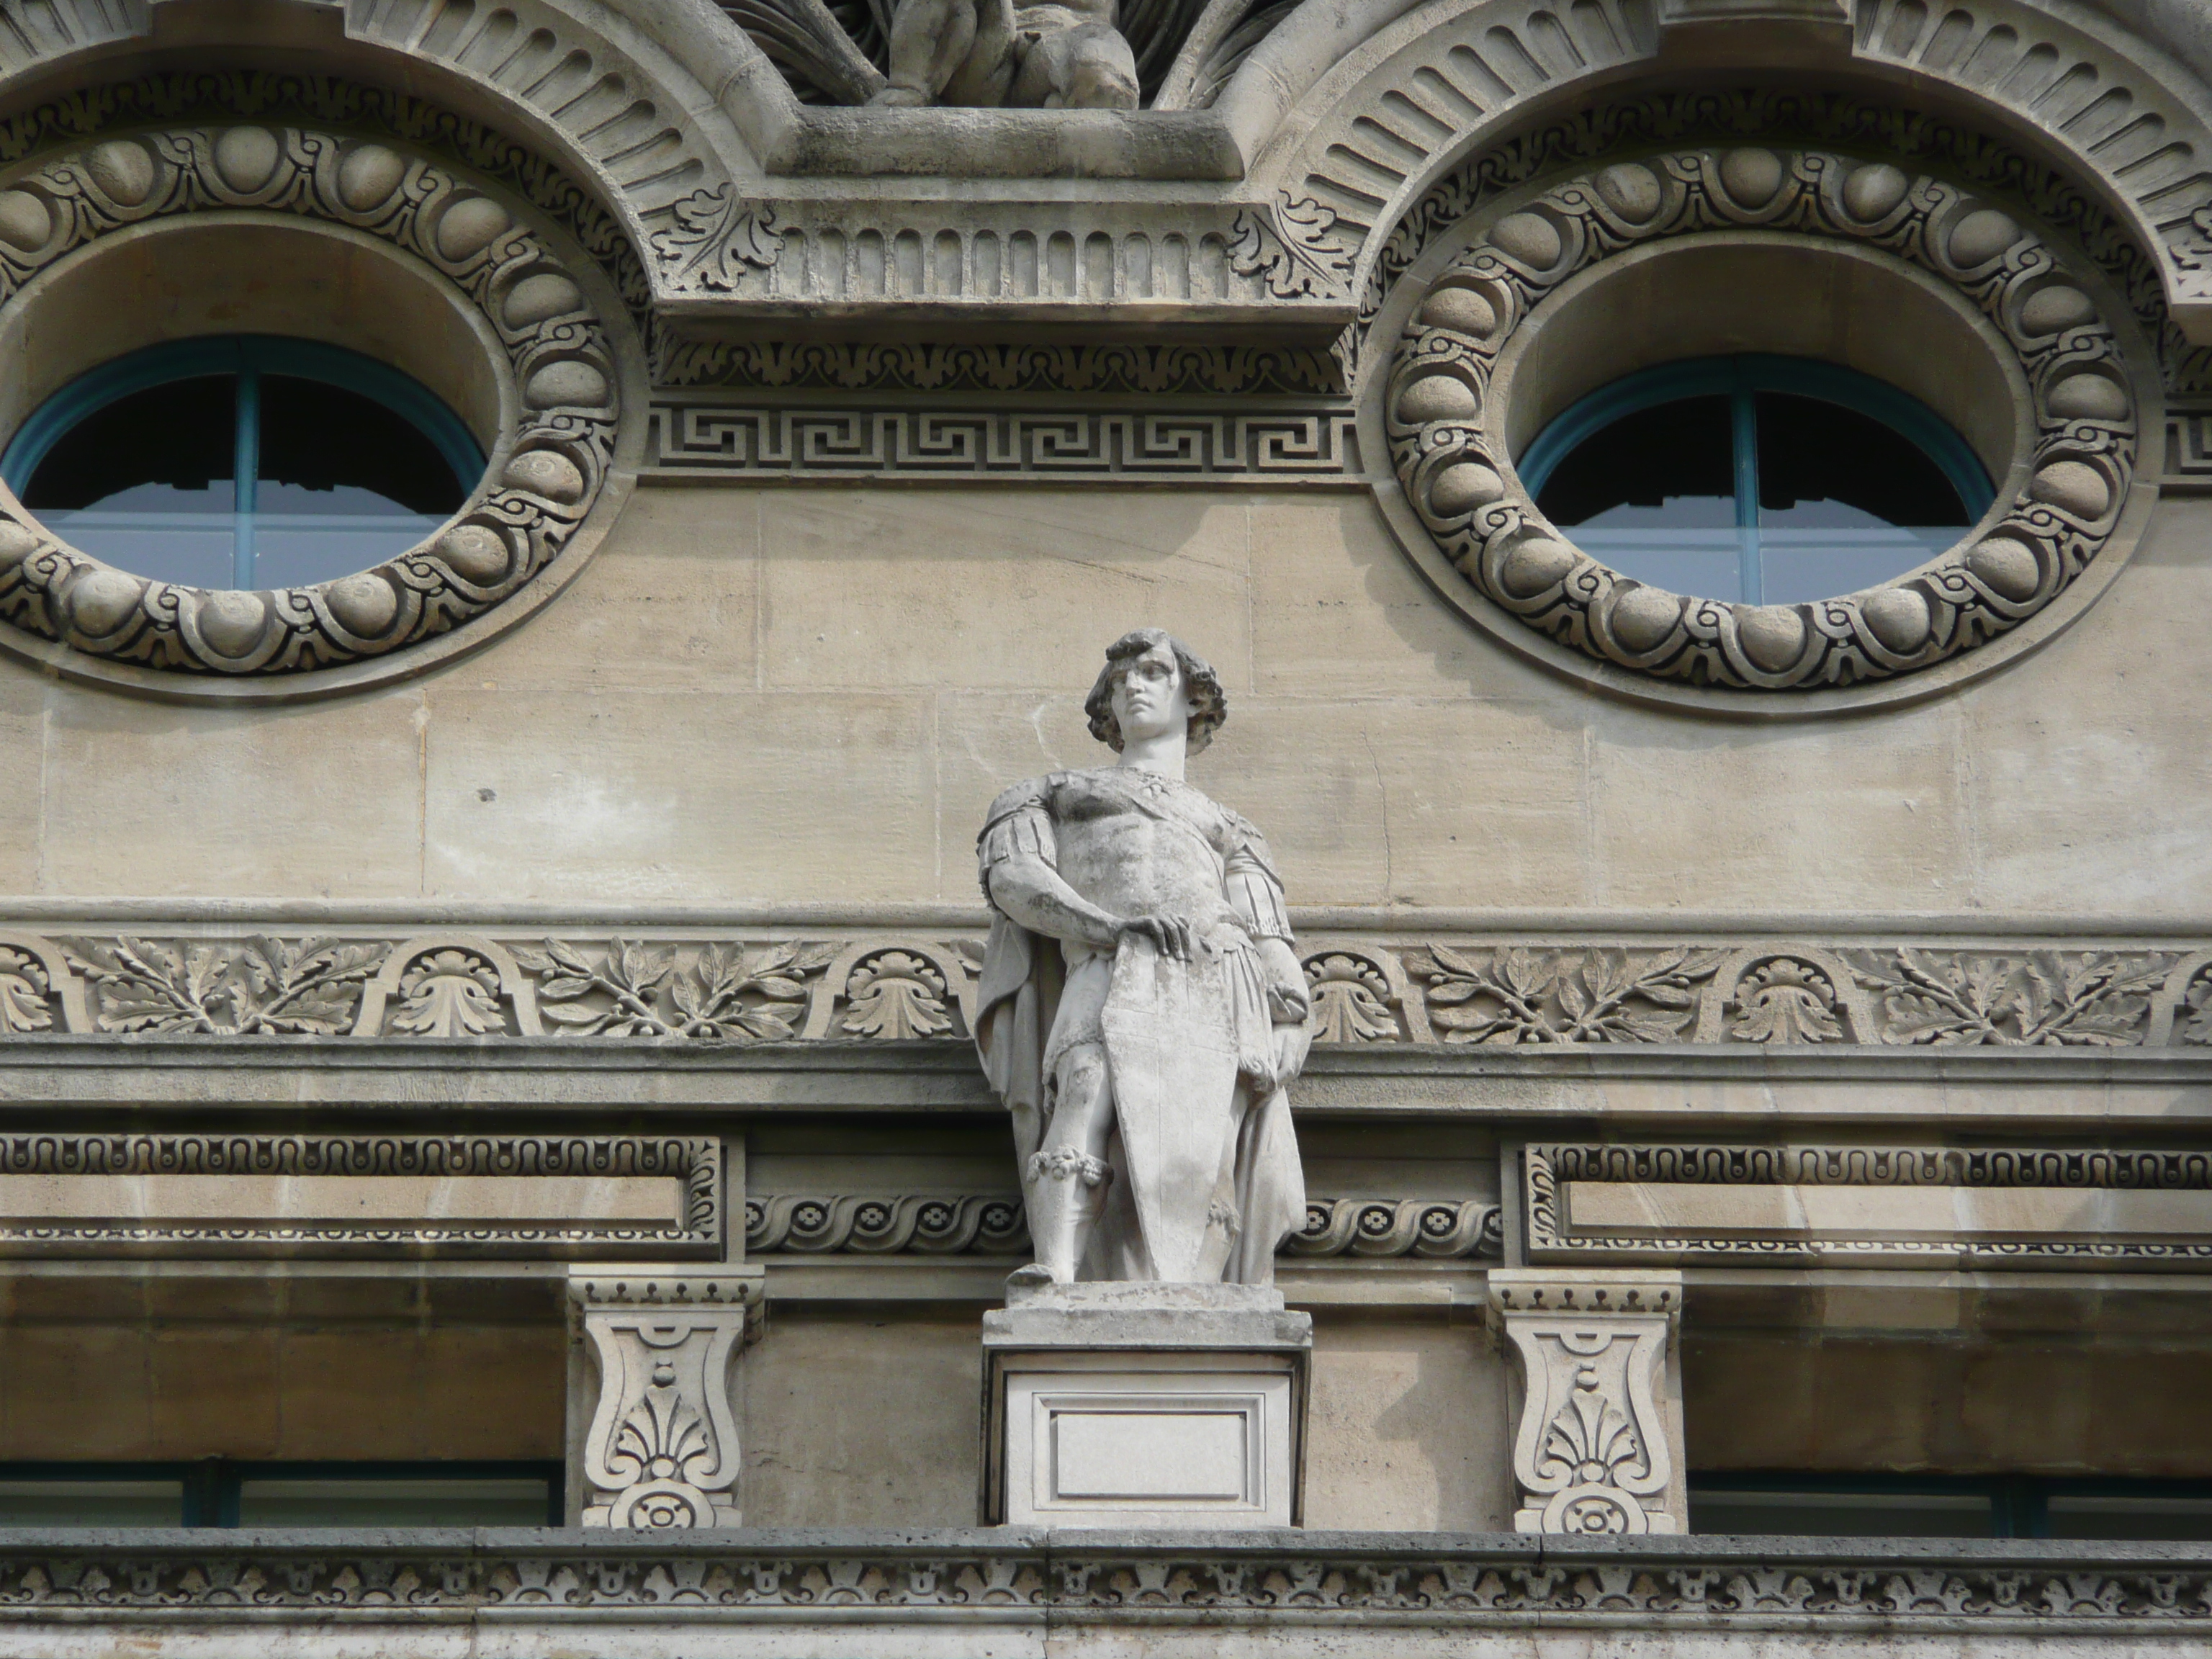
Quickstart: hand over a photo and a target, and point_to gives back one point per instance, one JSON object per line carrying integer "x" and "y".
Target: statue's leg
{"x": 931, "y": 40}
{"x": 1089, "y": 66}
{"x": 1065, "y": 1183}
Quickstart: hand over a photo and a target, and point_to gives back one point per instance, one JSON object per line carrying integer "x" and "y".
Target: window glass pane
{"x": 344, "y": 1501}
{"x": 92, "y": 1502}
{"x": 1845, "y": 501}
{"x": 1653, "y": 495}
{"x": 1843, "y": 1514}
{"x": 2130, "y": 1518}
{"x": 344, "y": 483}
{"x": 145, "y": 482}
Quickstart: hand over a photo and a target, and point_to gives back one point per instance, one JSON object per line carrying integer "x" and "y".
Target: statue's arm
{"x": 1256, "y": 894}
{"x": 1018, "y": 859}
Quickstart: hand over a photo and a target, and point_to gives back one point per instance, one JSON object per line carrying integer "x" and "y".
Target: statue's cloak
{"x": 1207, "y": 1177}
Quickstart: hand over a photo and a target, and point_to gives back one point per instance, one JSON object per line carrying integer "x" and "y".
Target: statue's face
{"x": 1150, "y": 699}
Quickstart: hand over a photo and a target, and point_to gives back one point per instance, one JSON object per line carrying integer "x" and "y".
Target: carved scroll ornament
{"x": 549, "y": 468}
{"x": 1462, "y": 486}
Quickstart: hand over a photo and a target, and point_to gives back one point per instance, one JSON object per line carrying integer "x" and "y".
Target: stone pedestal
{"x": 1597, "y": 1440}
{"x": 661, "y": 1450}
{"x": 1142, "y": 1405}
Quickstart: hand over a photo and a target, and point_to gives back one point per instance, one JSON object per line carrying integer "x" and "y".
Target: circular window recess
{"x": 1761, "y": 434}
{"x": 244, "y": 462}
{"x": 290, "y": 413}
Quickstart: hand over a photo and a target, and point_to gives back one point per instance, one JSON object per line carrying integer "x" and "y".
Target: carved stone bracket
{"x": 1597, "y": 1443}
{"x": 661, "y": 1451}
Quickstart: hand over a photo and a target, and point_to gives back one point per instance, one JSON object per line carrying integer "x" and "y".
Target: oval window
{"x": 248, "y": 462}
{"x": 1756, "y": 480}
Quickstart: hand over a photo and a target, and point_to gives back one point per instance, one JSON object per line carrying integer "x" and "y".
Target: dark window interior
{"x": 220, "y": 1492}
{"x": 179, "y": 436}
{"x": 1937, "y": 1506}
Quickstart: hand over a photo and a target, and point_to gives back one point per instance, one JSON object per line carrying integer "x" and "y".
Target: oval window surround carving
{"x": 554, "y": 483}
{"x": 2067, "y": 511}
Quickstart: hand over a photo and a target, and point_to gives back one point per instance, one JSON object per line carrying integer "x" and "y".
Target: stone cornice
{"x": 1355, "y": 1584}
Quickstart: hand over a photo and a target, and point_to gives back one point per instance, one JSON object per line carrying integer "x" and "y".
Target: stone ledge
{"x": 1359, "y": 1583}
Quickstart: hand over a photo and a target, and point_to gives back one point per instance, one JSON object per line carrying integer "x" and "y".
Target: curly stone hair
{"x": 1209, "y": 706}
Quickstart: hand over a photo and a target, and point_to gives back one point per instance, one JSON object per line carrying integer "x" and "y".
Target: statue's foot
{"x": 1035, "y": 1276}
{"x": 899, "y": 98}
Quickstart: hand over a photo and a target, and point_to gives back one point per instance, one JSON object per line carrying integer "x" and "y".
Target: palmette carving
{"x": 1470, "y": 499}
{"x": 661, "y": 1452}
{"x": 555, "y": 459}
{"x": 919, "y": 989}
{"x": 1592, "y": 1450}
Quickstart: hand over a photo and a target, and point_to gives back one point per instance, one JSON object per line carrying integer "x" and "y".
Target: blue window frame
{"x": 216, "y": 1491}
{"x": 247, "y": 365}
{"x": 1741, "y": 423}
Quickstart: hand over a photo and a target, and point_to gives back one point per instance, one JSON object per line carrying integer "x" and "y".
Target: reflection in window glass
{"x": 1843, "y": 1514}
{"x": 290, "y": 464}
{"x": 1844, "y": 502}
{"x": 2127, "y": 1517}
{"x": 354, "y": 1501}
{"x": 146, "y": 483}
{"x": 91, "y": 1503}
{"x": 1755, "y": 480}
{"x": 1654, "y": 496}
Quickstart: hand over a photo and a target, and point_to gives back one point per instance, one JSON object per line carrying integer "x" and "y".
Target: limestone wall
{"x": 809, "y": 694}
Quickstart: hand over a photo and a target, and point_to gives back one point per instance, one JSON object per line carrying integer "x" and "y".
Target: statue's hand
{"x": 1288, "y": 998}
{"x": 1170, "y": 935}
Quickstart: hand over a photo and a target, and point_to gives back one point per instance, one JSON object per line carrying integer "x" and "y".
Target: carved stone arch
{"x": 666, "y": 125}
{"x": 1425, "y": 94}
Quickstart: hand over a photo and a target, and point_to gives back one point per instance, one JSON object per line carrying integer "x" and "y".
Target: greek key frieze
{"x": 727, "y": 441}
{"x": 460, "y": 984}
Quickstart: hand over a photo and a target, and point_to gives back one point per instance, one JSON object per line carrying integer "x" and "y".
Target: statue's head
{"x": 1170, "y": 678}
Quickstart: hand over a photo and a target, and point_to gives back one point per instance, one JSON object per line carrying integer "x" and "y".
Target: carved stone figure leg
{"x": 1089, "y": 66}
{"x": 661, "y": 1448}
{"x": 1067, "y": 1181}
{"x": 953, "y": 51}
{"x": 1597, "y": 1443}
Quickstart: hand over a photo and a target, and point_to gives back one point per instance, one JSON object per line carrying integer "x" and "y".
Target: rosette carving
{"x": 548, "y": 469}
{"x": 1463, "y": 489}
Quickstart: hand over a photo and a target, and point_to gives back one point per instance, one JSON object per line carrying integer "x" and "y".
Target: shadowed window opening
{"x": 245, "y": 462}
{"x": 1756, "y": 480}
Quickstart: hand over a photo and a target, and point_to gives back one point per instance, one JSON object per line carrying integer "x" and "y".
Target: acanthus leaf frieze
{"x": 1368, "y": 990}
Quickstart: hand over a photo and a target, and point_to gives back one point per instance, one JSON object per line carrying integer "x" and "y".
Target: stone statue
{"x": 1145, "y": 1058}
{"x": 986, "y": 54}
